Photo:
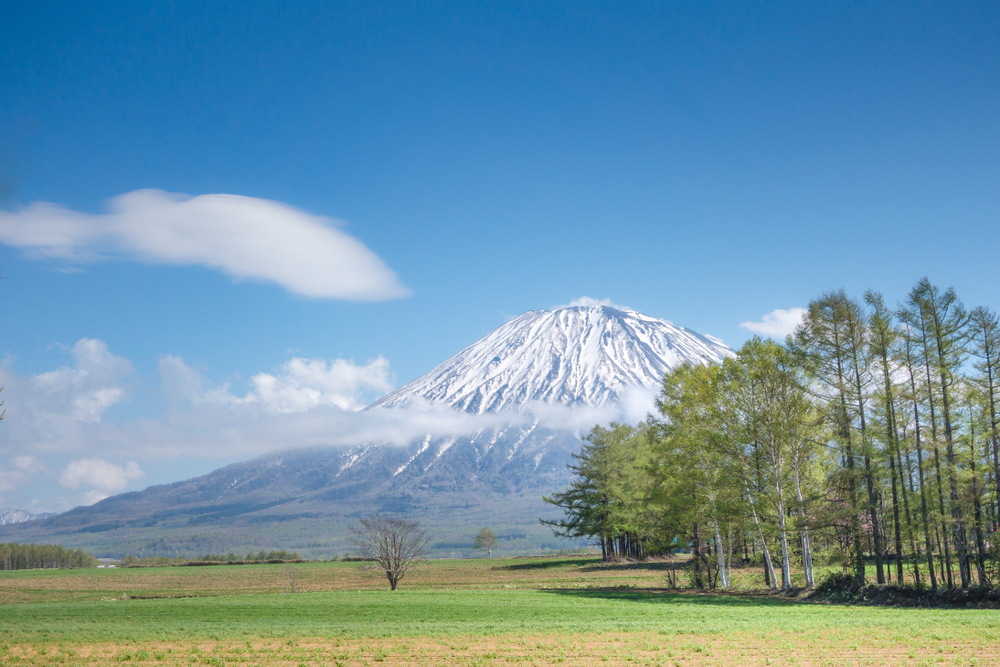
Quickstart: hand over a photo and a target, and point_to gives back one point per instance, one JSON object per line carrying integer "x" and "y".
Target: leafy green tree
{"x": 14, "y": 556}
{"x": 606, "y": 498}
{"x": 485, "y": 541}
{"x": 690, "y": 472}
{"x": 787, "y": 439}
{"x": 774, "y": 415}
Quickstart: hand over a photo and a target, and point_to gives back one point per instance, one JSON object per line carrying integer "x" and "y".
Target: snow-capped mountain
{"x": 19, "y": 516}
{"x": 581, "y": 355}
{"x": 453, "y": 483}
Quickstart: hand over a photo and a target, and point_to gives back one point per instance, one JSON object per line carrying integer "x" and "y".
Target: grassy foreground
{"x": 571, "y": 611}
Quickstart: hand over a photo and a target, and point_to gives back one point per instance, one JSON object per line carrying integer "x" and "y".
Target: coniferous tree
{"x": 921, "y": 328}
{"x": 910, "y": 360}
{"x": 984, "y": 331}
{"x": 827, "y": 344}
{"x": 605, "y": 499}
{"x": 883, "y": 338}
{"x": 947, "y": 320}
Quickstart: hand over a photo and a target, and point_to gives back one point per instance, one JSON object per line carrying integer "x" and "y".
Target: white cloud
{"x": 24, "y": 470}
{"x": 28, "y": 464}
{"x": 300, "y": 384}
{"x": 58, "y": 413}
{"x": 84, "y": 391}
{"x": 778, "y": 323}
{"x": 101, "y": 474}
{"x": 308, "y": 383}
{"x": 245, "y": 237}
{"x": 588, "y": 302}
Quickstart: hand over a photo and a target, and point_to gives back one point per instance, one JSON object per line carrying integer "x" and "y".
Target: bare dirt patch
{"x": 779, "y": 648}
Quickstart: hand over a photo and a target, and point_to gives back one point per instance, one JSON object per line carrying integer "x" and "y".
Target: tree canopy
{"x": 869, "y": 435}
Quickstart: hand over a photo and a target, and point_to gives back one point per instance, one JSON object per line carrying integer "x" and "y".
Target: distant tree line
{"x": 261, "y": 557}
{"x": 868, "y": 438}
{"x": 14, "y": 556}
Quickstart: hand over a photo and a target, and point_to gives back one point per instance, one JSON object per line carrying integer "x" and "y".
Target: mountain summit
{"x": 579, "y": 355}
{"x": 453, "y": 483}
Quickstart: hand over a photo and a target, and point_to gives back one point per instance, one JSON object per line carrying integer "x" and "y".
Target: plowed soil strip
{"x": 621, "y": 648}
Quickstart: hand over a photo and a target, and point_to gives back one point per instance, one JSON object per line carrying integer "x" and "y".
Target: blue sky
{"x": 706, "y": 163}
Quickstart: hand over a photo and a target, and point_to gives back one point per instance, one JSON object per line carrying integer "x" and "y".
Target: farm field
{"x": 454, "y": 612}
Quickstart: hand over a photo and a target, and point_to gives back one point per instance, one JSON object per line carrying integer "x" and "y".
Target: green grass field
{"x": 462, "y": 612}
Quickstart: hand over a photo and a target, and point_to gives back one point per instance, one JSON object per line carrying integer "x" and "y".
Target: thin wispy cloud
{"x": 244, "y": 237}
{"x": 778, "y": 323}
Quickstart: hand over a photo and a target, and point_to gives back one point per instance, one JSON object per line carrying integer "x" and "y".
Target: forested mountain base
{"x": 868, "y": 438}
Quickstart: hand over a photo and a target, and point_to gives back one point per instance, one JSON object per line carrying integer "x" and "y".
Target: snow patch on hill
{"x": 20, "y": 516}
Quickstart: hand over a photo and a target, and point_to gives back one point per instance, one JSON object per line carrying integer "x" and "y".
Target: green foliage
{"x": 606, "y": 500}
{"x": 485, "y": 541}
{"x": 865, "y": 438}
{"x": 14, "y": 556}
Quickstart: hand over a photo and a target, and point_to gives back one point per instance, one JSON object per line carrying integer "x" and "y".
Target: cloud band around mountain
{"x": 244, "y": 237}
{"x": 63, "y": 427}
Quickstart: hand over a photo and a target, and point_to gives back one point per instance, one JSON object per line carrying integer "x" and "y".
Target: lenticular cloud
{"x": 247, "y": 238}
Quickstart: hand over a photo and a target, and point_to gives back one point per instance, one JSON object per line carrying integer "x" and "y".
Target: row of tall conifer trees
{"x": 868, "y": 438}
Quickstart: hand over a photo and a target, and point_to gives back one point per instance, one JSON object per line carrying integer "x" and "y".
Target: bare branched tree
{"x": 394, "y": 544}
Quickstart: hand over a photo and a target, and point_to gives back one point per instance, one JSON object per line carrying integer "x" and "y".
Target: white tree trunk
{"x": 807, "y": 559}
{"x": 720, "y": 553}
{"x": 760, "y": 532}
{"x": 786, "y": 581}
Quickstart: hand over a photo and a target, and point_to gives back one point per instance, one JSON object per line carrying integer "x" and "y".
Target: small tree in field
{"x": 485, "y": 541}
{"x": 394, "y": 544}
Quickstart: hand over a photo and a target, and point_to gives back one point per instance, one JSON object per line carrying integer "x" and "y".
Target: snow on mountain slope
{"x": 494, "y": 474}
{"x": 19, "y": 516}
{"x": 581, "y": 355}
